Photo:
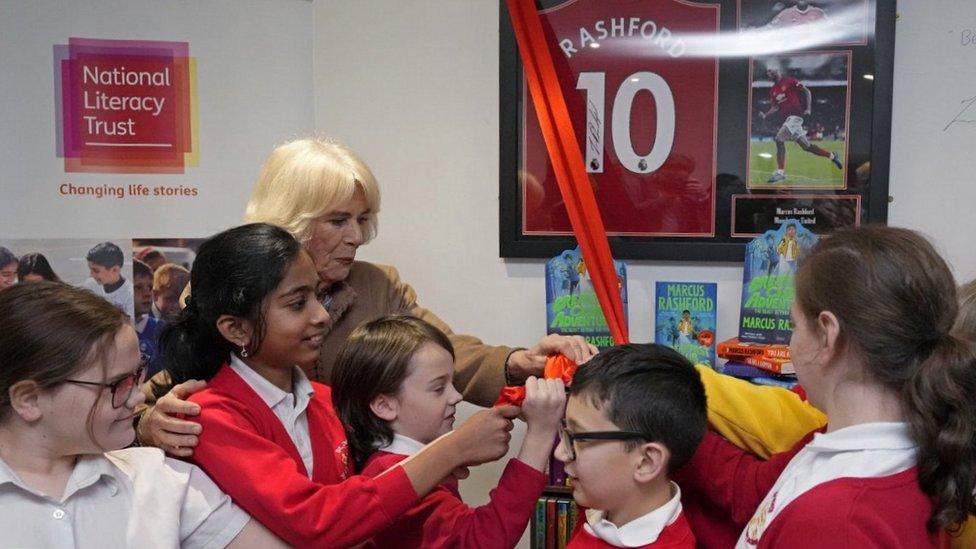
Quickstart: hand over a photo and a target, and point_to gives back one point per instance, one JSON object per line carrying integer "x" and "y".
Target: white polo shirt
{"x": 290, "y": 408}
{"x": 127, "y": 498}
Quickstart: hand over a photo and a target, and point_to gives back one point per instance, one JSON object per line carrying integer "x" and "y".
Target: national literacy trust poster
{"x": 145, "y": 118}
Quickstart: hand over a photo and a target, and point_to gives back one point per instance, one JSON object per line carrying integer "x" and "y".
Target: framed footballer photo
{"x": 787, "y": 122}
{"x": 686, "y": 109}
{"x": 835, "y": 22}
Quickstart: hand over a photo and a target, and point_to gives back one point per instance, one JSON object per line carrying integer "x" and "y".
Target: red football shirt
{"x": 787, "y": 95}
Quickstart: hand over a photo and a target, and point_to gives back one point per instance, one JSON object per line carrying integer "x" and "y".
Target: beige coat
{"x": 371, "y": 291}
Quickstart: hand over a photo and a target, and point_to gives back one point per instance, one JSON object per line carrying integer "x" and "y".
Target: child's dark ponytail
{"x": 939, "y": 409}
{"x": 232, "y": 274}
{"x": 191, "y": 348}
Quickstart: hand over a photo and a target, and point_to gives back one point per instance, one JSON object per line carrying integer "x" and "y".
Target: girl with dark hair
{"x": 270, "y": 437}
{"x": 35, "y": 267}
{"x": 69, "y": 374}
{"x": 875, "y": 350}
{"x": 393, "y": 389}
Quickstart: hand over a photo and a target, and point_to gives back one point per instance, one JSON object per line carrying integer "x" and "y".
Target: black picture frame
{"x": 868, "y": 137}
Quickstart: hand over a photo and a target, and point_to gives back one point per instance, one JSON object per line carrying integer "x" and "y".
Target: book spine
{"x": 539, "y": 525}
{"x": 784, "y": 383}
{"x": 735, "y": 350}
{"x": 744, "y": 371}
{"x": 562, "y": 518}
{"x": 776, "y": 366}
{"x": 551, "y": 523}
{"x": 573, "y": 517}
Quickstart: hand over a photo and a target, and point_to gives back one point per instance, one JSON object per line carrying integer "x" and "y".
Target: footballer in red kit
{"x": 790, "y": 101}
{"x": 799, "y": 14}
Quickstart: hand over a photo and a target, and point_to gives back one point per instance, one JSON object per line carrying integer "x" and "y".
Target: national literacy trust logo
{"x": 125, "y": 106}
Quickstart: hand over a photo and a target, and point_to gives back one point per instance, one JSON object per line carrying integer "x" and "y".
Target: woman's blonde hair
{"x": 304, "y": 179}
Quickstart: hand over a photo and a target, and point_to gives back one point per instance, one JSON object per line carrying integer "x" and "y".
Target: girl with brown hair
{"x": 69, "y": 374}
{"x": 393, "y": 390}
{"x": 874, "y": 348}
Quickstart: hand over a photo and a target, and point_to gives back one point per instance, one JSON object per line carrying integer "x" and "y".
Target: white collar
{"x": 89, "y": 469}
{"x": 403, "y": 445}
{"x": 640, "y": 531}
{"x": 269, "y": 392}
{"x": 864, "y": 436}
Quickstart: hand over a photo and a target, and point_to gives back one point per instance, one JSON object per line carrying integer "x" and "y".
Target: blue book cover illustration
{"x": 767, "y": 282}
{"x": 685, "y": 319}
{"x": 571, "y": 304}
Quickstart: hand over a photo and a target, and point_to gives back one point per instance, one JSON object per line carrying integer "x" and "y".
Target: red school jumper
{"x": 886, "y": 511}
{"x": 247, "y": 452}
{"x": 442, "y": 519}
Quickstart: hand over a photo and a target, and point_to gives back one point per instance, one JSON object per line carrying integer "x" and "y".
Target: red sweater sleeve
{"x": 443, "y": 520}
{"x": 265, "y": 481}
{"x": 731, "y": 478}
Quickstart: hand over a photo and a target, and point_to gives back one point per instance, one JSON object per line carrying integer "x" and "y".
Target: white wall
{"x": 933, "y": 169}
{"x": 413, "y": 87}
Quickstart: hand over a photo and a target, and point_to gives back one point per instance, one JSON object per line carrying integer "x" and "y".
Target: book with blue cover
{"x": 572, "y": 307}
{"x": 770, "y": 267}
{"x": 685, "y": 319}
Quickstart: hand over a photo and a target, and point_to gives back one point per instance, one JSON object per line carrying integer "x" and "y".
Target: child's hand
{"x": 542, "y": 409}
{"x": 484, "y": 436}
{"x": 545, "y": 401}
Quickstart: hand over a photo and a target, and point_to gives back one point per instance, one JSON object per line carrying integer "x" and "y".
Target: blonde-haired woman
{"x": 326, "y": 196}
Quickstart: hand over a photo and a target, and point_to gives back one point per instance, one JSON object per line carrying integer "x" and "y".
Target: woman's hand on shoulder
{"x": 161, "y": 425}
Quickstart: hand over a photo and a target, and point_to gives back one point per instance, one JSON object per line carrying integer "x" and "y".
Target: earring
{"x": 244, "y": 352}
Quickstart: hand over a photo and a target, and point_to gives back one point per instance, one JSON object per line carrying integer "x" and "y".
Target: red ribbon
{"x": 557, "y": 367}
{"x": 567, "y": 162}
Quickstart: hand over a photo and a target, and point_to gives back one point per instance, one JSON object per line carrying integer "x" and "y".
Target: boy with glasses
{"x": 635, "y": 414}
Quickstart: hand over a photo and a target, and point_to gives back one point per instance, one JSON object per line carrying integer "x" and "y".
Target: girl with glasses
{"x": 69, "y": 371}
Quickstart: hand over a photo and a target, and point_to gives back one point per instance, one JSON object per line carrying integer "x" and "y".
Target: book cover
{"x": 562, "y": 523}
{"x": 771, "y": 261}
{"x": 685, "y": 319}
{"x": 571, "y": 304}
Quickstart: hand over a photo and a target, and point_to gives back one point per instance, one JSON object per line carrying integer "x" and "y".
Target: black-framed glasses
{"x": 569, "y": 438}
{"x": 122, "y": 388}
